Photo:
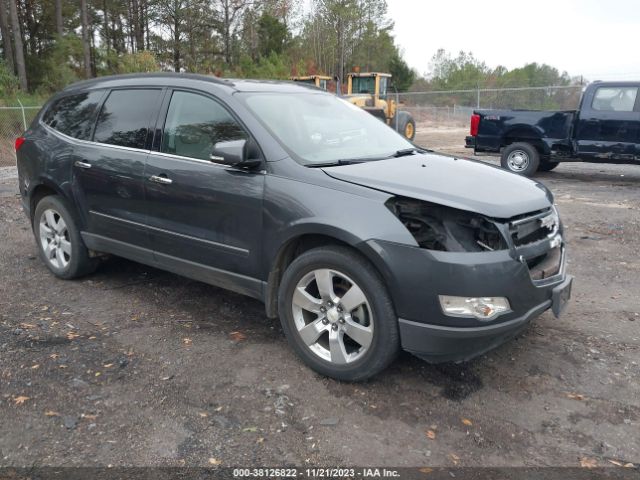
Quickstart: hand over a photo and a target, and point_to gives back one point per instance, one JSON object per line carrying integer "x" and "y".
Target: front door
{"x": 108, "y": 172}
{"x": 202, "y": 215}
{"x": 609, "y": 124}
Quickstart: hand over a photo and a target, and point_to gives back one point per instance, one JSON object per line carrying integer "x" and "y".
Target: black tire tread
{"x": 386, "y": 344}
{"x": 81, "y": 263}
{"x": 534, "y": 157}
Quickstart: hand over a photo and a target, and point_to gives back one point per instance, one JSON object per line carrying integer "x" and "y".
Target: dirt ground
{"x": 135, "y": 366}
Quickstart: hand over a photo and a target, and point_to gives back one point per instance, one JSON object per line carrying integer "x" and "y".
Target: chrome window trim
{"x": 91, "y": 142}
{"x": 191, "y": 159}
{"x": 237, "y": 250}
{"x": 131, "y": 149}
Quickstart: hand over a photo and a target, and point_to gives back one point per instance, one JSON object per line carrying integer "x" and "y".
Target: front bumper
{"x": 416, "y": 277}
{"x": 437, "y": 343}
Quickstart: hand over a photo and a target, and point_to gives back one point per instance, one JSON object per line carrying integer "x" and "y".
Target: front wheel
{"x": 337, "y": 314}
{"x": 406, "y": 125}
{"x": 521, "y": 158}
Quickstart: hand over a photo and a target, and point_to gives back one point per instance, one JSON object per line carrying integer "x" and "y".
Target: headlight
{"x": 482, "y": 308}
{"x": 435, "y": 227}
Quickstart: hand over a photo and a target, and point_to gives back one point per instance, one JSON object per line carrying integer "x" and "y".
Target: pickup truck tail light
{"x": 19, "y": 142}
{"x": 475, "y": 123}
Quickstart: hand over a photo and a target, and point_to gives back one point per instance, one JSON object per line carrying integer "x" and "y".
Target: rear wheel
{"x": 59, "y": 243}
{"x": 521, "y": 158}
{"x": 337, "y": 314}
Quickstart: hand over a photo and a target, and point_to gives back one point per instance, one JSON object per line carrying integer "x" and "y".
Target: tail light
{"x": 19, "y": 142}
{"x": 475, "y": 123}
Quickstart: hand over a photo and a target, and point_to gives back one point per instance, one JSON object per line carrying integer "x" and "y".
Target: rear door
{"x": 108, "y": 172}
{"x": 609, "y": 123}
{"x": 202, "y": 212}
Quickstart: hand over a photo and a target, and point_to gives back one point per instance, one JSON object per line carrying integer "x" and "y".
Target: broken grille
{"x": 534, "y": 227}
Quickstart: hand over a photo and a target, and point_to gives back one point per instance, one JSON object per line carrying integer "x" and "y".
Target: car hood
{"x": 453, "y": 182}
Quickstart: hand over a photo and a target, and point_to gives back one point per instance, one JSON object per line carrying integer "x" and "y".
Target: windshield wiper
{"x": 408, "y": 151}
{"x": 349, "y": 161}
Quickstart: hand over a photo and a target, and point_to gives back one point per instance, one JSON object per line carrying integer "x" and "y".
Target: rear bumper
{"x": 470, "y": 142}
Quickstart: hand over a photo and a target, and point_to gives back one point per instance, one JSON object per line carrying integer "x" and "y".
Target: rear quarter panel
{"x": 44, "y": 160}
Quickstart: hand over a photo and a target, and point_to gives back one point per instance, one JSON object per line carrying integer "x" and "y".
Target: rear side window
{"x": 195, "y": 124}
{"x": 125, "y": 117}
{"x": 615, "y": 99}
{"x": 74, "y": 115}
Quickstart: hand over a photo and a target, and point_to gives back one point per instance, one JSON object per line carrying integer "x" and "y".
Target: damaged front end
{"x": 435, "y": 227}
{"x": 534, "y": 238}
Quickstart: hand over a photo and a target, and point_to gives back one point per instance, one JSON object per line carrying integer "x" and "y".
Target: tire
{"x": 521, "y": 158}
{"x": 60, "y": 245}
{"x": 406, "y": 125}
{"x": 547, "y": 166}
{"x": 369, "y": 314}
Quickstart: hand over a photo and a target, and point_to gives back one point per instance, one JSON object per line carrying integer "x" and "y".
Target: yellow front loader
{"x": 370, "y": 91}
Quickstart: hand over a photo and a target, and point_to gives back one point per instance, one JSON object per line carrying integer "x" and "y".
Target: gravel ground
{"x": 135, "y": 366}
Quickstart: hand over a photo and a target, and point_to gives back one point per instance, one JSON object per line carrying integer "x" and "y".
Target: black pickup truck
{"x": 604, "y": 129}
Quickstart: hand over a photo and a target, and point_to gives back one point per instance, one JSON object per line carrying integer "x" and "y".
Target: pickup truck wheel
{"x": 547, "y": 166}
{"x": 337, "y": 314}
{"x": 521, "y": 158}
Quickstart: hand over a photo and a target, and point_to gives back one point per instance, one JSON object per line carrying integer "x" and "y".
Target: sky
{"x": 598, "y": 39}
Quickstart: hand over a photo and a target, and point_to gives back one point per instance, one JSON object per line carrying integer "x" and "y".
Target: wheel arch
{"x": 525, "y": 134}
{"x": 43, "y": 188}
{"x": 302, "y": 240}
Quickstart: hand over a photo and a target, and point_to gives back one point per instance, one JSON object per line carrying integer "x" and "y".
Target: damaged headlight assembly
{"x": 435, "y": 227}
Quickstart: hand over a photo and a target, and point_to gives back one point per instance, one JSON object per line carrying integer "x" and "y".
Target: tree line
{"x": 49, "y": 44}
{"x": 455, "y": 74}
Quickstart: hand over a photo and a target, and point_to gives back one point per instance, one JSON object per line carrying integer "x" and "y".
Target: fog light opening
{"x": 482, "y": 308}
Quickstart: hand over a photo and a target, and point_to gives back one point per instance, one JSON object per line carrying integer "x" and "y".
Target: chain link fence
{"x": 13, "y": 122}
{"x": 453, "y": 108}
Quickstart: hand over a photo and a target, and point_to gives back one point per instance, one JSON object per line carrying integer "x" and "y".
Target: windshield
{"x": 363, "y": 85}
{"x": 318, "y": 128}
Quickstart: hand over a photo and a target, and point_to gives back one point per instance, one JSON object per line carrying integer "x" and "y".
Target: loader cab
{"x": 320, "y": 81}
{"x": 369, "y": 91}
{"x": 370, "y": 83}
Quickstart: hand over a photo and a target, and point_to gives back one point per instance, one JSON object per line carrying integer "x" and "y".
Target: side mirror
{"x": 237, "y": 153}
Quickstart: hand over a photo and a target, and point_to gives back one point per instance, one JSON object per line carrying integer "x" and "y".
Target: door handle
{"x": 81, "y": 164}
{"x": 161, "y": 180}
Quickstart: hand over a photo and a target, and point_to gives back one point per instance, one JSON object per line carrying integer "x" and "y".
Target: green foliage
{"x": 9, "y": 85}
{"x": 402, "y": 75}
{"x": 144, "y": 61}
{"x": 59, "y": 66}
{"x": 271, "y": 67}
{"x": 462, "y": 72}
{"x": 273, "y": 35}
{"x": 465, "y": 72}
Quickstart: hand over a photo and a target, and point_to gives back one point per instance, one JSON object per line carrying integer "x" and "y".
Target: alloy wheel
{"x": 54, "y": 239}
{"x": 332, "y": 316}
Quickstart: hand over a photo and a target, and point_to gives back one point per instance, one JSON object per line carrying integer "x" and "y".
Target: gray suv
{"x": 361, "y": 242}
